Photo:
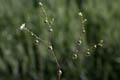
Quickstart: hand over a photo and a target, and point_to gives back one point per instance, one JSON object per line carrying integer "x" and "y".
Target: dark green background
{"x": 21, "y": 59}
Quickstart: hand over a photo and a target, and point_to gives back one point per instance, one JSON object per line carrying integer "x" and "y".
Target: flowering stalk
{"x": 49, "y": 23}
{"x": 79, "y": 42}
{"x": 46, "y": 17}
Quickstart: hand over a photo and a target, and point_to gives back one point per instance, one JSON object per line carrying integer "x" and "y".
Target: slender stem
{"x": 58, "y": 65}
{"x": 50, "y": 45}
{"x": 34, "y": 35}
{"x": 46, "y": 16}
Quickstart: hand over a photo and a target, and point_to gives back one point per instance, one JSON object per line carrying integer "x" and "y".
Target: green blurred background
{"x": 21, "y": 59}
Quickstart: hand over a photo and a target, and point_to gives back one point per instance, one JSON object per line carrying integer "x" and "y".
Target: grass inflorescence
{"x": 49, "y": 44}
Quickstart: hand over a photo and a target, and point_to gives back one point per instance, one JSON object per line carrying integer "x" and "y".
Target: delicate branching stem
{"x": 75, "y": 54}
{"x": 100, "y": 44}
{"x": 49, "y": 44}
{"x": 49, "y": 23}
{"x": 79, "y": 42}
{"x": 58, "y": 65}
{"x": 39, "y": 39}
{"x": 46, "y": 17}
{"x": 52, "y": 51}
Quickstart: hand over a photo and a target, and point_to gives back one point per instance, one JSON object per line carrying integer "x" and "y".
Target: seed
{"x": 36, "y": 41}
{"x": 46, "y": 21}
{"x": 80, "y": 14}
{"x": 85, "y": 20}
{"x": 88, "y": 53}
{"x": 83, "y": 31}
{"x": 74, "y": 56}
{"x": 60, "y": 72}
{"x": 40, "y": 4}
{"x": 79, "y": 42}
{"x": 50, "y": 47}
{"x": 50, "y": 30}
{"x": 101, "y": 45}
{"x": 95, "y": 46}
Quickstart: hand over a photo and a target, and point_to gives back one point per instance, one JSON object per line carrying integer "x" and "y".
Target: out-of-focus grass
{"x": 21, "y": 59}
